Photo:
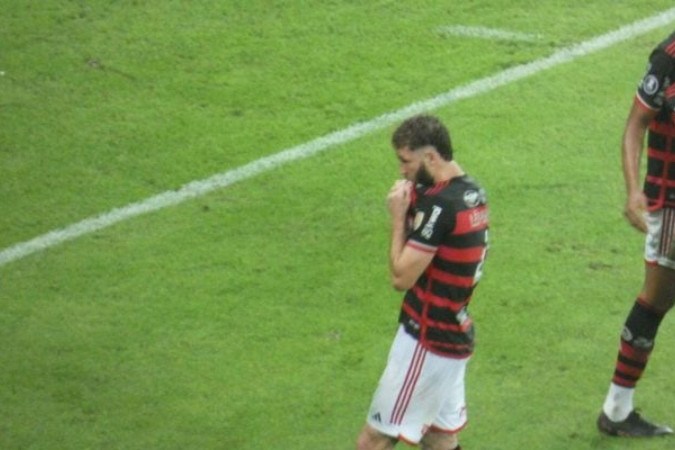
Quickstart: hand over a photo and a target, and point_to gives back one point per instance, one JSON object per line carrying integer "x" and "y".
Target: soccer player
{"x": 439, "y": 230}
{"x": 650, "y": 209}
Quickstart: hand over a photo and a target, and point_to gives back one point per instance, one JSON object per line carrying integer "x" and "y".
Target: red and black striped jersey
{"x": 449, "y": 219}
{"x": 657, "y": 92}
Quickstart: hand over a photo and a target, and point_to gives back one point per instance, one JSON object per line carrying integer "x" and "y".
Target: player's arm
{"x": 406, "y": 262}
{"x": 632, "y": 146}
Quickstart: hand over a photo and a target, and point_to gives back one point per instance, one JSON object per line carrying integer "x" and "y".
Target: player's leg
{"x": 638, "y": 337}
{"x": 435, "y": 440}
{"x": 410, "y": 394}
{"x": 452, "y": 416}
{"x": 618, "y": 415}
{"x": 658, "y": 293}
{"x": 642, "y": 324}
{"x": 391, "y": 416}
{"x": 371, "y": 439}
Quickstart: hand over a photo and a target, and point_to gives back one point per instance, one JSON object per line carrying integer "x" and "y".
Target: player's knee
{"x": 369, "y": 439}
{"x": 440, "y": 441}
{"x": 362, "y": 442}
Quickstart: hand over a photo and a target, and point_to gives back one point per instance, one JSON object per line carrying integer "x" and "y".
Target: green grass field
{"x": 259, "y": 316}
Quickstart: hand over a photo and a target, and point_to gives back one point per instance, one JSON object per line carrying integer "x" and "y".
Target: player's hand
{"x": 399, "y": 198}
{"x": 634, "y": 211}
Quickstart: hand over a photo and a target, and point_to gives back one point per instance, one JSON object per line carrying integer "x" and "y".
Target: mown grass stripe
{"x": 201, "y": 187}
{"x": 486, "y": 33}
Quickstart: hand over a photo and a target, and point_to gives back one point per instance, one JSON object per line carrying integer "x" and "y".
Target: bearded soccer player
{"x": 439, "y": 229}
{"x": 650, "y": 209}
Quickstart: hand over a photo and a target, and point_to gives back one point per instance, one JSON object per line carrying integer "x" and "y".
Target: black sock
{"x": 637, "y": 342}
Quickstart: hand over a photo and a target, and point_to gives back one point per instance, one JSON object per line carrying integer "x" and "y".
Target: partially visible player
{"x": 650, "y": 209}
{"x": 439, "y": 231}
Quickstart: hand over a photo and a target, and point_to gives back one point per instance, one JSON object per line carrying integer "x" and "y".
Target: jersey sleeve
{"x": 651, "y": 90}
{"x": 434, "y": 220}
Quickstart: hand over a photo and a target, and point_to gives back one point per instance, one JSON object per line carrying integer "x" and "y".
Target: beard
{"x": 423, "y": 177}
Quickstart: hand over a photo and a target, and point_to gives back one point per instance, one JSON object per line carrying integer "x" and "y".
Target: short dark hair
{"x": 423, "y": 130}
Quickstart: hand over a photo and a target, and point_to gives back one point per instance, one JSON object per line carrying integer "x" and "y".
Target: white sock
{"x": 618, "y": 403}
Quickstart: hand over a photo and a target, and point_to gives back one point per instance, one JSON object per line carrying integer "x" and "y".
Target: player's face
{"x": 423, "y": 176}
{"x": 412, "y": 166}
{"x": 408, "y": 163}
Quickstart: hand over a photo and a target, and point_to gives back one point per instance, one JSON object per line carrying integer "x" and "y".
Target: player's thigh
{"x": 659, "y": 287}
{"x": 409, "y": 394}
{"x": 371, "y": 439}
{"x": 452, "y": 415}
{"x": 434, "y": 440}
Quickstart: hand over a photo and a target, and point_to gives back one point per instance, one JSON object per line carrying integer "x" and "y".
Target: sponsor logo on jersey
{"x": 471, "y": 198}
{"x": 650, "y": 84}
{"x": 428, "y": 229}
{"x": 478, "y": 218}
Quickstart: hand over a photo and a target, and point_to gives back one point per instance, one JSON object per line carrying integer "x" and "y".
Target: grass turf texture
{"x": 260, "y": 316}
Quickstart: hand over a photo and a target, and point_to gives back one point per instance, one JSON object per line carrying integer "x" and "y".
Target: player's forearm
{"x": 631, "y": 165}
{"x": 398, "y": 241}
{"x": 632, "y": 145}
{"x": 633, "y": 141}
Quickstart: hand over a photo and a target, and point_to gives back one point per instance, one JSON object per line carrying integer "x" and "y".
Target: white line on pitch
{"x": 224, "y": 179}
{"x": 486, "y": 33}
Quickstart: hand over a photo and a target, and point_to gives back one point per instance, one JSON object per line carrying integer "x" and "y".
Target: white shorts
{"x": 659, "y": 240}
{"x": 418, "y": 391}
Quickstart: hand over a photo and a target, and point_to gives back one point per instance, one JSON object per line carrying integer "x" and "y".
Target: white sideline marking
{"x": 224, "y": 179}
{"x": 486, "y": 33}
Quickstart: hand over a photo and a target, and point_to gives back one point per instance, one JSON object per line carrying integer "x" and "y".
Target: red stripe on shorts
{"x": 406, "y": 392}
{"x": 667, "y": 230}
